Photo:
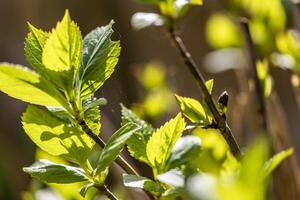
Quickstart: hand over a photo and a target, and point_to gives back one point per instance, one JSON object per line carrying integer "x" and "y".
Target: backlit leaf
{"x": 115, "y": 146}
{"x": 49, "y": 172}
{"x": 99, "y": 58}
{"x": 137, "y": 142}
{"x": 193, "y": 110}
{"x": 21, "y": 83}
{"x": 62, "y": 52}
{"x": 162, "y": 141}
{"x": 56, "y": 136}
{"x": 142, "y": 183}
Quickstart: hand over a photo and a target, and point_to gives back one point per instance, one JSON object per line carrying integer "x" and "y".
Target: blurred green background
{"x": 146, "y": 53}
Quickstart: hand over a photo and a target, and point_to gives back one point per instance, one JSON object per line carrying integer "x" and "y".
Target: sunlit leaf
{"x": 99, "y": 58}
{"x": 21, "y": 83}
{"x": 183, "y": 151}
{"x": 34, "y": 45}
{"x": 173, "y": 178}
{"x": 142, "y": 183}
{"x": 49, "y": 172}
{"x": 210, "y": 84}
{"x": 137, "y": 142}
{"x": 193, "y": 110}
{"x": 55, "y": 136}
{"x": 162, "y": 141}
{"x": 115, "y": 146}
{"x": 62, "y": 52}
{"x": 276, "y": 160}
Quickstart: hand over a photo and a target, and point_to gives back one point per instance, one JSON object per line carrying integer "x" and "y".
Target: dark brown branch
{"x": 261, "y": 109}
{"x": 219, "y": 120}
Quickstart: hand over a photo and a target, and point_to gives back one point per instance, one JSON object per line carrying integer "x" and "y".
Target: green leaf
{"x": 193, "y": 110}
{"x": 34, "y": 45}
{"x": 50, "y": 172}
{"x": 56, "y": 136}
{"x": 115, "y": 146}
{"x": 210, "y": 84}
{"x": 162, "y": 141}
{"x": 142, "y": 183}
{"x": 141, "y": 20}
{"x": 99, "y": 58}
{"x": 92, "y": 114}
{"x": 174, "y": 178}
{"x": 62, "y": 52}
{"x": 184, "y": 150}
{"x": 276, "y": 160}
{"x": 21, "y": 83}
{"x": 138, "y": 141}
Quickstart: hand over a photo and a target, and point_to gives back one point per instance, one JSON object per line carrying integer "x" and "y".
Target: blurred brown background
{"x": 138, "y": 48}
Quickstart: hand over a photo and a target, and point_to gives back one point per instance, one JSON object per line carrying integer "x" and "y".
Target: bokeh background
{"x": 150, "y": 47}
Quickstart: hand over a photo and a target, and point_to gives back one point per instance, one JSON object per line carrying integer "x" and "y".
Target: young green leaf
{"x": 137, "y": 143}
{"x": 50, "y": 172}
{"x": 193, "y": 110}
{"x": 174, "y": 178}
{"x": 21, "y": 83}
{"x": 56, "y": 136}
{"x": 115, "y": 146}
{"x": 92, "y": 115}
{"x": 276, "y": 160}
{"x": 142, "y": 183}
{"x": 99, "y": 58}
{"x": 184, "y": 150}
{"x": 34, "y": 45}
{"x": 62, "y": 52}
{"x": 162, "y": 141}
{"x": 210, "y": 84}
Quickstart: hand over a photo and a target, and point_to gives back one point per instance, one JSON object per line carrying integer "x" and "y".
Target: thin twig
{"x": 107, "y": 192}
{"x": 119, "y": 160}
{"x": 219, "y": 120}
{"x": 261, "y": 110}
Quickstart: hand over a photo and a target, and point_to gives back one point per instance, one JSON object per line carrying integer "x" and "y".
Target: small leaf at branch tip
{"x": 210, "y": 84}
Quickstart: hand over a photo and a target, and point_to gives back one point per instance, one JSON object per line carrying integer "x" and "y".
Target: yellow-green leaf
{"x": 137, "y": 142}
{"x": 62, "y": 52}
{"x": 276, "y": 160}
{"x": 55, "y": 136}
{"x": 162, "y": 141}
{"x": 193, "y": 110}
{"x": 209, "y": 85}
{"x": 21, "y": 83}
{"x": 34, "y": 45}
